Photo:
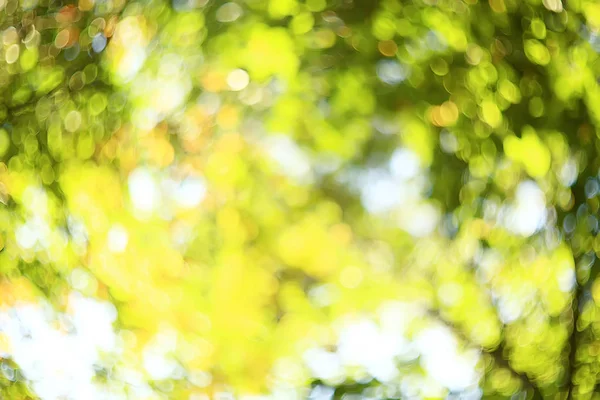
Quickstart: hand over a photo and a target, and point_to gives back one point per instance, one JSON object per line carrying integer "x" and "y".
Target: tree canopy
{"x": 324, "y": 199}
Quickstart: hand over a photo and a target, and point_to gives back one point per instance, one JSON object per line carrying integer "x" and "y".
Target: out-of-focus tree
{"x": 324, "y": 198}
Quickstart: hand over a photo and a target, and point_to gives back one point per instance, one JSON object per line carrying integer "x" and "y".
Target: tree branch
{"x": 577, "y": 300}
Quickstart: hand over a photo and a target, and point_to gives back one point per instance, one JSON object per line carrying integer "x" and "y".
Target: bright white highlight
{"x": 528, "y": 214}
{"x": 442, "y": 361}
{"x": 291, "y": 159}
{"x": 376, "y": 348}
{"x": 143, "y": 190}
{"x": 324, "y": 364}
{"x": 130, "y": 38}
{"x": 190, "y": 192}
{"x": 420, "y": 219}
{"x": 404, "y": 164}
{"x": 117, "y": 239}
{"x": 238, "y": 79}
{"x": 382, "y": 193}
{"x": 60, "y": 360}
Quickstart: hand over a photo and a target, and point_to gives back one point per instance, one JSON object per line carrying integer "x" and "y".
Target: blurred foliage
{"x": 247, "y": 174}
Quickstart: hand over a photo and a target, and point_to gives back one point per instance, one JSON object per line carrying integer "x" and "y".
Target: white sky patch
{"x": 60, "y": 362}
{"x": 190, "y": 192}
{"x": 117, "y": 239}
{"x": 26, "y": 236}
{"x": 514, "y": 301}
{"x": 355, "y": 339}
{"x": 292, "y": 160}
{"x": 382, "y": 195}
{"x": 404, "y": 164}
{"x": 324, "y": 364}
{"x": 442, "y": 361}
{"x": 381, "y": 192}
{"x": 158, "y": 365}
{"x": 566, "y": 280}
{"x": 34, "y": 231}
{"x": 156, "y": 360}
{"x": 143, "y": 190}
{"x": 130, "y": 39}
{"x": 528, "y": 214}
{"x": 132, "y": 62}
{"x": 376, "y": 348}
{"x": 365, "y": 345}
{"x": 94, "y": 319}
{"x": 420, "y": 220}
{"x": 509, "y": 310}
{"x": 169, "y": 93}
